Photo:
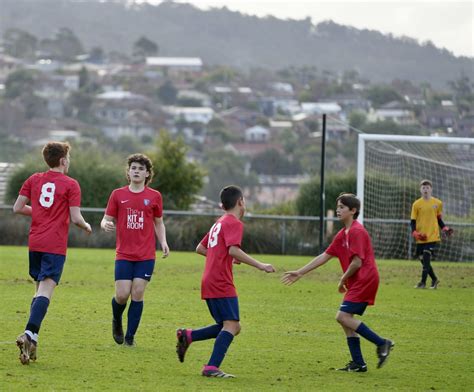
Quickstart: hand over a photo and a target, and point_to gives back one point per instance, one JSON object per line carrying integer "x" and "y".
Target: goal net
{"x": 389, "y": 170}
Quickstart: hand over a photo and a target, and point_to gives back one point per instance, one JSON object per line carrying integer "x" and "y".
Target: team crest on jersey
{"x": 146, "y": 201}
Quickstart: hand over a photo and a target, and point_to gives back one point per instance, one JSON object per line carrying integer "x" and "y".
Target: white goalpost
{"x": 389, "y": 169}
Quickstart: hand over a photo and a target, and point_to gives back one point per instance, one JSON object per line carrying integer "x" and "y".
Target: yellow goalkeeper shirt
{"x": 426, "y": 213}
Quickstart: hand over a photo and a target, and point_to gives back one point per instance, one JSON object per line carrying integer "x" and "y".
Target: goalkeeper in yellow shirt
{"x": 426, "y": 214}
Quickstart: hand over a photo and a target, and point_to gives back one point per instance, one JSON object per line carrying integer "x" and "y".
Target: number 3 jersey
{"x": 217, "y": 280}
{"x": 51, "y": 194}
{"x": 135, "y": 215}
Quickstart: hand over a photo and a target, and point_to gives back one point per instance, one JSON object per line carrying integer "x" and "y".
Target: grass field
{"x": 289, "y": 340}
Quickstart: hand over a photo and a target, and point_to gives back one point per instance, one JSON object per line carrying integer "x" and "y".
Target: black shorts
{"x": 431, "y": 246}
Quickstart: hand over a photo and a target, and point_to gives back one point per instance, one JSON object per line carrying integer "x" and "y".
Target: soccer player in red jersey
{"x": 54, "y": 200}
{"x": 221, "y": 247}
{"x": 135, "y": 212}
{"x": 359, "y": 282}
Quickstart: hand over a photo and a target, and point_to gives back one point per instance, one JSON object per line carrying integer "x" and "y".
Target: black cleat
{"x": 383, "y": 352}
{"x": 182, "y": 344}
{"x": 117, "y": 331}
{"x": 420, "y": 285}
{"x": 434, "y": 285}
{"x": 354, "y": 367}
{"x": 129, "y": 341}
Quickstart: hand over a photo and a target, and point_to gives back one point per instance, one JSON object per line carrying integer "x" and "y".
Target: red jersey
{"x": 135, "y": 215}
{"x": 218, "y": 280}
{"x": 51, "y": 194}
{"x": 363, "y": 285}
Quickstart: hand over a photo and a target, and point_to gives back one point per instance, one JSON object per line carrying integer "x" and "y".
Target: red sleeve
{"x": 357, "y": 244}
{"x": 111, "y": 209}
{"x": 158, "y": 207}
{"x": 205, "y": 240}
{"x": 334, "y": 247}
{"x": 74, "y": 195}
{"x": 26, "y": 189}
{"x": 233, "y": 234}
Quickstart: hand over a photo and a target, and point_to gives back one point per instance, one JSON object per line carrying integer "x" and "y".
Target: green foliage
{"x": 145, "y": 47}
{"x": 64, "y": 46}
{"x": 381, "y": 94}
{"x": 96, "y": 176}
{"x": 308, "y": 203}
{"x": 18, "y": 83}
{"x": 392, "y": 128}
{"x": 274, "y": 162}
{"x": 167, "y": 93}
{"x": 19, "y": 43}
{"x": 225, "y": 168}
{"x": 176, "y": 179}
{"x": 357, "y": 119}
{"x": 300, "y": 318}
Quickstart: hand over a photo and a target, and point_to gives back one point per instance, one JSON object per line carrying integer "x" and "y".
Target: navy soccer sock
{"x": 209, "y": 332}
{"x": 39, "y": 307}
{"x": 364, "y": 331}
{"x": 134, "y": 316}
{"x": 222, "y": 343}
{"x": 354, "y": 347}
{"x": 117, "y": 309}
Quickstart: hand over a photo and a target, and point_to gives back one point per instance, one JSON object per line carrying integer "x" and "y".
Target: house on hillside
{"x": 122, "y": 113}
{"x": 175, "y": 65}
{"x": 395, "y": 111}
{"x": 439, "y": 119}
{"x": 257, "y": 134}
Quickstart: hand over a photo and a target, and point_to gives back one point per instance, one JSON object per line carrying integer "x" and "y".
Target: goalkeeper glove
{"x": 446, "y": 231}
{"x": 419, "y": 236}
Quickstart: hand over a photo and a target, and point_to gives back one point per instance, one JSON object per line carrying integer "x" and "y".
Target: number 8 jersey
{"x": 51, "y": 194}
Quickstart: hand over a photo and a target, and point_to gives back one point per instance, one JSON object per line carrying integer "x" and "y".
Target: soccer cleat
{"x": 117, "y": 331}
{"x": 24, "y": 344}
{"x": 182, "y": 344}
{"x": 129, "y": 341}
{"x": 420, "y": 285}
{"x": 33, "y": 350}
{"x": 434, "y": 285}
{"x": 383, "y": 352}
{"x": 354, "y": 367}
{"x": 213, "y": 371}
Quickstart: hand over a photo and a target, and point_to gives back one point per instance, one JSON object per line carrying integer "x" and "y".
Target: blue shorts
{"x": 46, "y": 265}
{"x": 129, "y": 270}
{"x": 223, "y": 309}
{"x": 353, "y": 307}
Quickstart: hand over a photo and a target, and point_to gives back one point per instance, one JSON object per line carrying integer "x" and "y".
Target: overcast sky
{"x": 448, "y": 23}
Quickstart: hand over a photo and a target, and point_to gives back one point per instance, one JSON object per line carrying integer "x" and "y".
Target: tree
{"x": 65, "y": 45}
{"x": 19, "y": 43}
{"x": 18, "y": 83}
{"x": 307, "y": 202}
{"x": 97, "y": 176}
{"x": 382, "y": 94}
{"x": 144, "y": 47}
{"x": 226, "y": 168}
{"x": 176, "y": 179}
{"x": 167, "y": 93}
{"x": 274, "y": 163}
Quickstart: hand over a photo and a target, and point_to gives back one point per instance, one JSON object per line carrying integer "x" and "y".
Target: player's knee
{"x": 340, "y": 318}
{"x": 138, "y": 294}
{"x": 121, "y": 297}
{"x": 233, "y": 327}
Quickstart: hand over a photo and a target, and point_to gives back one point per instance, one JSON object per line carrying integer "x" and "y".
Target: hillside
{"x": 221, "y": 36}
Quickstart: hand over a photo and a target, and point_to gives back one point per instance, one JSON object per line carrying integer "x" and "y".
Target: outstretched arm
{"x": 20, "y": 207}
{"x": 291, "y": 277}
{"x": 239, "y": 255}
{"x": 78, "y": 219}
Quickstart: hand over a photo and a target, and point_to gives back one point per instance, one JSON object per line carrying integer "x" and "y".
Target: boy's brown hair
{"x": 141, "y": 159}
{"x": 426, "y": 182}
{"x": 350, "y": 200}
{"x": 54, "y": 151}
